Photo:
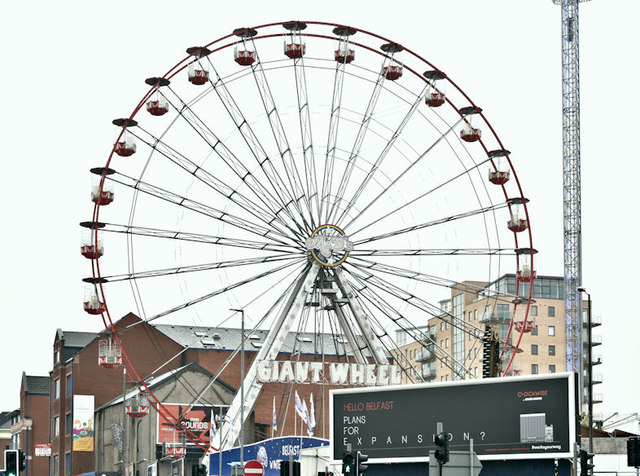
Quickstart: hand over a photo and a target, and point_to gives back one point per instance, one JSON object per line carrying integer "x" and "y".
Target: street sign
{"x": 253, "y": 468}
{"x": 461, "y": 463}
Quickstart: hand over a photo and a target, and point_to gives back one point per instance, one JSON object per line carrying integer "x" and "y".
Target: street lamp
{"x": 590, "y": 368}
{"x": 241, "y": 311}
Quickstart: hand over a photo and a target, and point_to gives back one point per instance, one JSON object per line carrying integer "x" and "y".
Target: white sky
{"x": 70, "y": 67}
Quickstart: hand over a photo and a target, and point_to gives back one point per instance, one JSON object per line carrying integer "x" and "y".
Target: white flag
{"x": 312, "y": 415}
{"x": 275, "y": 419}
{"x": 307, "y": 418}
{"x": 300, "y": 409}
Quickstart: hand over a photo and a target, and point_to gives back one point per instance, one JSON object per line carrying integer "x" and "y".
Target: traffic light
{"x": 11, "y": 463}
{"x": 347, "y": 464}
{"x": 284, "y": 468}
{"x": 22, "y": 461}
{"x": 633, "y": 451}
{"x": 491, "y": 364}
{"x": 442, "y": 447}
{"x": 361, "y": 458}
{"x": 199, "y": 470}
{"x": 586, "y": 463}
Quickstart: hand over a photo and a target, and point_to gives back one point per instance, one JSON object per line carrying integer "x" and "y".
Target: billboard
{"x": 83, "y": 429}
{"x": 197, "y": 419}
{"x": 507, "y": 418}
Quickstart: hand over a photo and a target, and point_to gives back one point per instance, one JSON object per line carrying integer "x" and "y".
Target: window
{"x": 56, "y": 426}
{"x": 534, "y": 349}
{"x": 442, "y": 326}
{"x": 68, "y": 424}
{"x": 475, "y": 314}
{"x": 67, "y": 463}
{"x": 502, "y": 311}
{"x": 552, "y": 369}
{"x": 55, "y": 465}
{"x": 68, "y": 388}
{"x": 56, "y": 389}
{"x": 552, "y": 311}
{"x": 552, "y": 330}
{"x": 56, "y": 356}
{"x": 534, "y": 369}
{"x": 534, "y": 310}
{"x": 446, "y": 343}
{"x": 534, "y": 331}
{"x": 552, "y": 350}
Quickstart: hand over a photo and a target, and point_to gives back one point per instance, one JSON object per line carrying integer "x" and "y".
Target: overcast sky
{"x": 71, "y": 66}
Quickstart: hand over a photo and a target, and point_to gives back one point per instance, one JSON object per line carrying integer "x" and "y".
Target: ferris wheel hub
{"x": 329, "y": 245}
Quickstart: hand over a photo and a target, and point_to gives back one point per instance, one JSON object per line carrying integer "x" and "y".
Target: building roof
{"x": 36, "y": 385}
{"x": 75, "y": 338}
{"x": 6, "y": 417}
{"x": 155, "y": 381}
{"x": 229, "y": 339}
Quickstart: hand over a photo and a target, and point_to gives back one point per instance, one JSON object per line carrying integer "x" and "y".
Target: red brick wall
{"x": 35, "y": 407}
{"x": 146, "y": 347}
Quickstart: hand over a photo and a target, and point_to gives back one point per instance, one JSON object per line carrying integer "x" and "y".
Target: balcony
{"x": 427, "y": 355}
{"x": 428, "y": 372}
{"x": 495, "y": 318}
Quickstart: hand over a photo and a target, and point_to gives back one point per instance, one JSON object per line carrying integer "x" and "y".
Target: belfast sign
{"x": 333, "y": 373}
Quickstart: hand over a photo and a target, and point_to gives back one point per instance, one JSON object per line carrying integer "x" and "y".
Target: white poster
{"x": 83, "y": 429}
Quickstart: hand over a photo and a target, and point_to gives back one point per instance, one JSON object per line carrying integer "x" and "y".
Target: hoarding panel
{"x": 507, "y": 418}
{"x": 83, "y": 430}
{"x": 197, "y": 419}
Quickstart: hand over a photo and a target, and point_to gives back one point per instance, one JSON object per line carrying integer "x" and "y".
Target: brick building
{"x": 456, "y": 335}
{"x": 32, "y": 429}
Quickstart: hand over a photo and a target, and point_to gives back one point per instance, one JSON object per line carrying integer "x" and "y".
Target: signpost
{"x": 253, "y": 468}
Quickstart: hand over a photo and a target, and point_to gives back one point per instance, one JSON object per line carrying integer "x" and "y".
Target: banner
{"x": 83, "y": 430}
{"x": 197, "y": 420}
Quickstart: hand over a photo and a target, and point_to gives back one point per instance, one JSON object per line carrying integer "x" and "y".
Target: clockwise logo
{"x": 329, "y": 246}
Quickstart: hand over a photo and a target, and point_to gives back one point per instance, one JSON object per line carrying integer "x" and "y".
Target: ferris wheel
{"x": 322, "y": 179}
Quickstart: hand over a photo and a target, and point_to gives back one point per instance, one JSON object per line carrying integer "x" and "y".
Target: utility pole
{"x": 571, "y": 186}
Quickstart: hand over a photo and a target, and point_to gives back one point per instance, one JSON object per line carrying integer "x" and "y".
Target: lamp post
{"x": 590, "y": 368}
{"x": 241, "y": 311}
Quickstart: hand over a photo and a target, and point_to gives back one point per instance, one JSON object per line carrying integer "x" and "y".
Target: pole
{"x": 124, "y": 426}
{"x": 590, "y": 350}
{"x": 589, "y": 368}
{"x": 220, "y": 445}
{"x": 241, "y": 311}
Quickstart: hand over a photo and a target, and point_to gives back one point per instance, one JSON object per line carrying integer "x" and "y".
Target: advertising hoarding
{"x": 507, "y": 418}
{"x": 197, "y": 419}
{"x": 268, "y": 453}
{"x": 83, "y": 430}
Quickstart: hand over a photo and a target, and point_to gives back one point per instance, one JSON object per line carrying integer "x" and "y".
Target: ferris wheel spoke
{"x": 255, "y": 147}
{"x": 236, "y": 285}
{"x": 411, "y": 165}
{"x": 440, "y": 221}
{"x": 244, "y": 224}
{"x": 304, "y": 119}
{"x": 388, "y": 146}
{"x": 272, "y": 217}
{"x": 199, "y": 267}
{"x": 280, "y": 136}
{"x": 423, "y": 277}
{"x": 272, "y": 200}
{"x": 405, "y": 325}
{"x": 357, "y": 144}
{"x": 332, "y": 138}
{"x": 422, "y": 195}
{"x": 403, "y": 295}
{"x": 435, "y": 252}
{"x": 191, "y": 237}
